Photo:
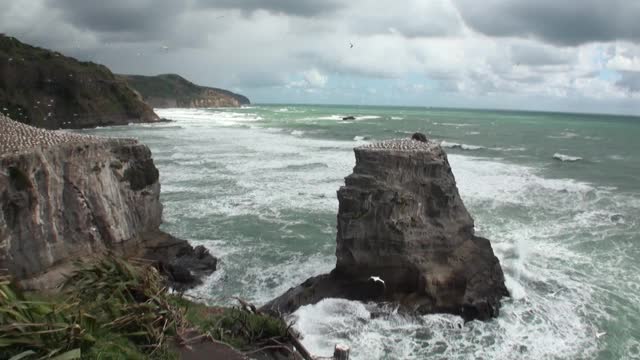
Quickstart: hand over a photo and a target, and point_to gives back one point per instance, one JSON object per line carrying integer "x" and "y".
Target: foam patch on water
{"x": 566, "y": 158}
{"x": 564, "y": 135}
{"x": 453, "y": 145}
{"x": 208, "y": 117}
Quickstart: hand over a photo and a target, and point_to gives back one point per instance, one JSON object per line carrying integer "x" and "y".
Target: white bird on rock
{"x": 377, "y": 279}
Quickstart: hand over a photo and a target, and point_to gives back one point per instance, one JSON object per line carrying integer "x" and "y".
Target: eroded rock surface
{"x": 401, "y": 219}
{"x": 65, "y": 197}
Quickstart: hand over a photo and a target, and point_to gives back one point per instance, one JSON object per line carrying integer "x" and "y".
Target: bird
{"x": 351, "y": 46}
{"x": 600, "y": 334}
{"x": 165, "y": 48}
{"x": 377, "y": 279}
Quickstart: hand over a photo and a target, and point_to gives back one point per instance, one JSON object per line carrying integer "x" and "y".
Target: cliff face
{"x": 48, "y": 90}
{"x": 170, "y": 90}
{"x": 402, "y": 220}
{"x": 65, "y": 197}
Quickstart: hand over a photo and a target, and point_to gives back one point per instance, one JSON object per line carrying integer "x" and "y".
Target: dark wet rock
{"x": 419, "y": 137}
{"x": 349, "y": 118}
{"x": 184, "y": 265}
{"x": 401, "y": 218}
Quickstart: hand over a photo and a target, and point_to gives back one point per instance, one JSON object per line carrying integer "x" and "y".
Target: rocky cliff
{"x": 67, "y": 196}
{"x": 405, "y": 236}
{"x": 172, "y": 90}
{"x": 45, "y": 89}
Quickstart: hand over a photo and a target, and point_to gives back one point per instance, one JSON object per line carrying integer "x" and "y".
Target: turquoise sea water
{"x": 258, "y": 185}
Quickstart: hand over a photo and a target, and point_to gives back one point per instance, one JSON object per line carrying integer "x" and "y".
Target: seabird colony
{"x": 16, "y": 136}
{"x": 409, "y": 145}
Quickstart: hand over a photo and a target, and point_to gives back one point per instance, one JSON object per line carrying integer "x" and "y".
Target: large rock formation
{"x": 402, "y": 220}
{"x": 48, "y": 90}
{"x": 65, "y": 197}
{"x": 171, "y": 90}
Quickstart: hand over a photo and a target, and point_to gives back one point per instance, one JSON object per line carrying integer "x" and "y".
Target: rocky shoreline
{"x": 65, "y": 197}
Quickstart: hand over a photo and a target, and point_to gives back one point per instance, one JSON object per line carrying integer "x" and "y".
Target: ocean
{"x": 557, "y": 194}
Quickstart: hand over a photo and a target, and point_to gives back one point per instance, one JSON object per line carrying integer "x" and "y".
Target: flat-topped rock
{"x": 405, "y": 236}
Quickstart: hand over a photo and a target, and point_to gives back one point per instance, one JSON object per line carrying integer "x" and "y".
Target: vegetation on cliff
{"x": 46, "y": 89}
{"x": 171, "y": 90}
{"x": 113, "y": 309}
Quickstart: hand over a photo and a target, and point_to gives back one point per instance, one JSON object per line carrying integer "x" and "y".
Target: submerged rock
{"x": 349, "y": 118}
{"x": 401, "y": 219}
{"x": 67, "y": 197}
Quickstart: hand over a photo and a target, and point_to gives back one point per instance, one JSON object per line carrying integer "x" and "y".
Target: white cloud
{"x": 315, "y": 78}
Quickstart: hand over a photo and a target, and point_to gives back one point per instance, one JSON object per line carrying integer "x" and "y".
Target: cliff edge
{"x": 405, "y": 236}
{"x": 45, "y": 89}
{"x": 65, "y": 197}
{"x": 171, "y": 90}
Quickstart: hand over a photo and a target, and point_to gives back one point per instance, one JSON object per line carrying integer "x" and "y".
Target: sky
{"x": 555, "y": 55}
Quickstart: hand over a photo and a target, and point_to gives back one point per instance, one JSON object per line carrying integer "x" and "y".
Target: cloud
{"x": 410, "y": 18}
{"x": 623, "y": 57}
{"x": 539, "y": 55}
{"x": 629, "y": 81}
{"x": 135, "y": 20}
{"x": 305, "y": 8}
{"x": 300, "y": 50}
{"x": 315, "y": 78}
{"x": 567, "y": 22}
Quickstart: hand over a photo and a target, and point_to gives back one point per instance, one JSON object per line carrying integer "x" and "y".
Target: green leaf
{"x": 69, "y": 355}
{"x": 23, "y": 355}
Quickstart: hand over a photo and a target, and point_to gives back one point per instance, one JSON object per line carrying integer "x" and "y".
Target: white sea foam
{"x": 397, "y": 118}
{"x": 564, "y": 135}
{"x": 453, "y": 124}
{"x": 195, "y": 117}
{"x": 360, "y": 138}
{"x": 297, "y": 133}
{"x": 453, "y": 145}
{"x": 568, "y": 158}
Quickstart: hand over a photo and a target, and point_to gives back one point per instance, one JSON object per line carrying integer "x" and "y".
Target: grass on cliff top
{"x": 112, "y": 309}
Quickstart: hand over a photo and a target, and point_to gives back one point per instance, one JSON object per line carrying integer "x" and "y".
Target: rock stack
{"x": 405, "y": 236}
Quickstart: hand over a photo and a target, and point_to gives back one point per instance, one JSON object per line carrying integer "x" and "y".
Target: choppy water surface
{"x": 558, "y": 195}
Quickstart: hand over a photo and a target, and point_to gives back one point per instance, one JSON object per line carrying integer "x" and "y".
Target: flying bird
{"x": 351, "y": 46}
{"x": 600, "y": 334}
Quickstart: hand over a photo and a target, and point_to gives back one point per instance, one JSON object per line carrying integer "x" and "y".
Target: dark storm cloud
{"x": 134, "y": 20}
{"x": 562, "y": 22}
{"x": 306, "y": 8}
{"x": 630, "y": 81}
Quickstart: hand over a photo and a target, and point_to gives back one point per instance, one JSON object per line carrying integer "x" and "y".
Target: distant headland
{"x": 46, "y": 89}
